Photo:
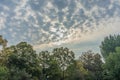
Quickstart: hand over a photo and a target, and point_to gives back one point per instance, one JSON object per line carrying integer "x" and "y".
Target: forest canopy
{"x": 22, "y": 62}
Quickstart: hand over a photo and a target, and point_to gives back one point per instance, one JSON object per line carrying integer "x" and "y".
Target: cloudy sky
{"x": 77, "y": 24}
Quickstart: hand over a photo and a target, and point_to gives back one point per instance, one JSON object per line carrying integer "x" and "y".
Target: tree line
{"x": 22, "y": 62}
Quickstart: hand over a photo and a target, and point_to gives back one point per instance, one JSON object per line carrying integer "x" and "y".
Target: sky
{"x": 80, "y": 25}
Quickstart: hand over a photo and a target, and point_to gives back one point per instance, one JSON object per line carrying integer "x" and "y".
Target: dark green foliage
{"x": 24, "y": 57}
{"x": 76, "y": 71}
{"x": 3, "y": 73}
{"x": 112, "y": 66}
{"x": 93, "y": 63}
{"x": 109, "y": 44}
{"x": 64, "y": 58}
{"x": 19, "y": 74}
{"x": 53, "y": 72}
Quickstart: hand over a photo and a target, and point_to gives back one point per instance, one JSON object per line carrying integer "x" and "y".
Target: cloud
{"x": 76, "y": 36}
{"x": 47, "y": 23}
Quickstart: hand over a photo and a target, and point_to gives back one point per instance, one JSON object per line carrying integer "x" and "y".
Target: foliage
{"x": 24, "y": 57}
{"x": 4, "y": 54}
{"x": 3, "y": 73}
{"x": 64, "y": 58}
{"x": 44, "y": 58}
{"x": 19, "y": 74}
{"x": 93, "y": 63}
{"x": 112, "y": 66}
{"x": 76, "y": 71}
{"x": 53, "y": 72}
{"x": 21, "y": 62}
{"x": 3, "y": 42}
{"x": 109, "y": 44}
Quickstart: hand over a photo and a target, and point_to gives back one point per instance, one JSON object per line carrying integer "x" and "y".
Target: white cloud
{"x": 52, "y": 29}
{"x": 2, "y": 22}
{"x": 104, "y": 29}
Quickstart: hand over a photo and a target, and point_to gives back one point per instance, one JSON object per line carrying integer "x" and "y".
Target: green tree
{"x": 93, "y": 63}
{"x": 77, "y": 71}
{"x": 50, "y": 68}
{"x": 64, "y": 57}
{"x": 44, "y": 58}
{"x": 3, "y": 42}
{"x": 4, "y": 54}
{"x": 18, "y": 74}
{"x": 4, "y": 72}
{"x": 112, "y": 66}
{"x": 109, "y": 44}
{"x": 24, "y": 57}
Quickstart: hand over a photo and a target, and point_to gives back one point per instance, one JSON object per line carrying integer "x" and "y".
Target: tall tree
{"x": 109, "y": 44}
{"x": 93, "y": 63}
{"x": 50, "y": 67}
{"x": 112, "y": 66}
{"x": 44, "y": 58}
{"x": 54, "y": 72}
{"x": 64, "y": 57}
{"x": 77, "y": 71}
{"x": 24, "y": 57}
{"x": 3, "y": 42}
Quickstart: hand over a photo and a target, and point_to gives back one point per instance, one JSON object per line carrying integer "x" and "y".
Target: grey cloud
{"x": 60, "y": 4}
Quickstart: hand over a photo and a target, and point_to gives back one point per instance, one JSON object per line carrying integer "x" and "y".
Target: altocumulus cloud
{"x": 48, "y": 23}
